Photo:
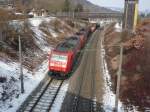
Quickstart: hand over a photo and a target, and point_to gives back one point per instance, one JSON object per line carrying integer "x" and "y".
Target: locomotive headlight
{"x": 52, "y": 64}
{"x": 64, "y": 65}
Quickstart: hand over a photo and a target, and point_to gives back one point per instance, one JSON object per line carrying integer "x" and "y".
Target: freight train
{"x": 63, "y": 58}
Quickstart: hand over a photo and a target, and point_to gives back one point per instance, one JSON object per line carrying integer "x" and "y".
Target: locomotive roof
{"x": 69, "y": 44}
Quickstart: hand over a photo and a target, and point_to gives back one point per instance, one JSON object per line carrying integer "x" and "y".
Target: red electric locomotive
{"x": 63, "y": 58}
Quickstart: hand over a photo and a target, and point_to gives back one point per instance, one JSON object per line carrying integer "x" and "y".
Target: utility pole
{"x": 21, "y": 70}
{"x": 135, "y": 15}
{"x": 125, "y": 14}
{"x": 73, "y": 15}
{"x": 119, "y": 79}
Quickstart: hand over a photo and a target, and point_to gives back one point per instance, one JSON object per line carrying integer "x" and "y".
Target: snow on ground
{"x": 40, "y": 36}
{"x": 35, "y": 22}
{"x": 16, "y": 24}
{"x": 118, "y": 27}
{"x": 10, "y": 96}
{"x": 30, "y": 83}
{"x": 40, "y": 39}
{"x": 54, "y": 34}
{"x": 109, "y": 96}
{"x": 11, "y": 87}
{"x": 17, "y": 13}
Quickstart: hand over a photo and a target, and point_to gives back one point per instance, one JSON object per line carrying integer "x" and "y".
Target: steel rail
{"x": 77, "y": 98}
{"x": 45, "y": 98}
{"x": 47, "y": 85}
{"x": 53, "y": 100}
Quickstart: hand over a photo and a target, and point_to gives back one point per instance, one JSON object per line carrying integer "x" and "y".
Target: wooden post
{"x": 21, "y": 71}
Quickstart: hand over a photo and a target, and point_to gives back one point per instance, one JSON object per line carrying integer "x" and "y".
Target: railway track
{"x": 45, "y": 98}
{"x": 80, "y": 104}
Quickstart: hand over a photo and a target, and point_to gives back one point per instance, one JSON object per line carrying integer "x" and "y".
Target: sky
{"x": 143, "y": 4}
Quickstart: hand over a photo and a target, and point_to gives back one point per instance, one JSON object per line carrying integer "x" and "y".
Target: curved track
{"x": 78, "y": 103}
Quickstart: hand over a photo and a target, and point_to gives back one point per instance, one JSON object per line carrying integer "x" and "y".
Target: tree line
{"x": 67, "y": 7}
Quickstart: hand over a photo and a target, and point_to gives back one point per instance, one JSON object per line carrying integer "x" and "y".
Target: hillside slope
{"x": 52, "y": 5}
{"x": 90, "y": 6}
{"x": 43, "y": 34}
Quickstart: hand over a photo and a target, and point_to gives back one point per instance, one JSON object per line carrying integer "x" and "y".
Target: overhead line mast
{"x": 130, "y": 14}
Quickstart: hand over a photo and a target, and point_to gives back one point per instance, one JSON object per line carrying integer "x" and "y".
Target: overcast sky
{"x": 143, "y": 4}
